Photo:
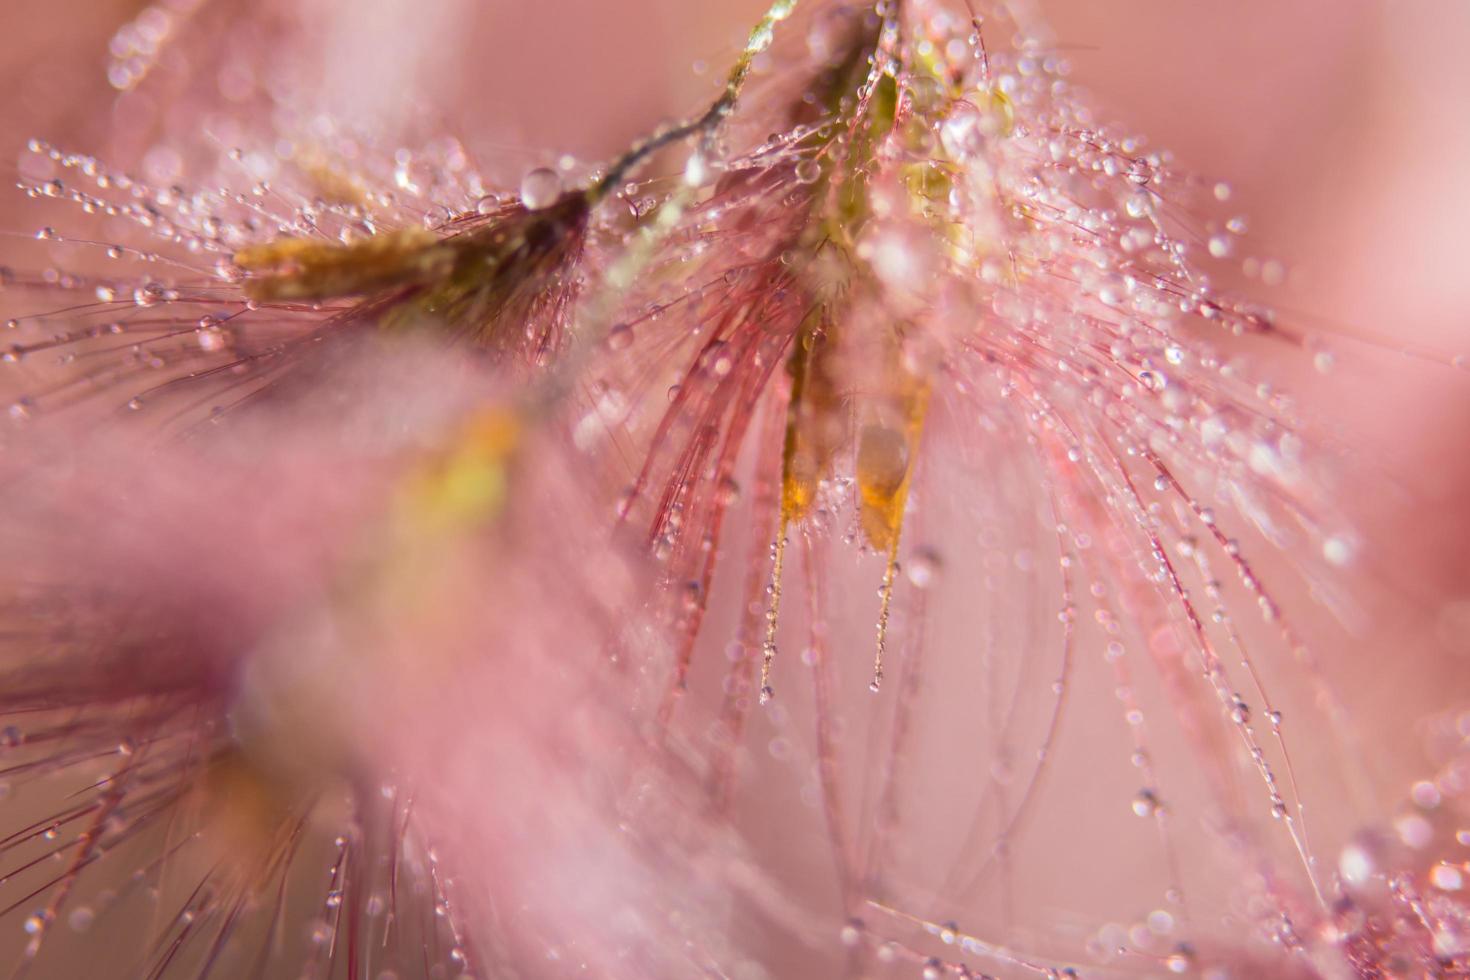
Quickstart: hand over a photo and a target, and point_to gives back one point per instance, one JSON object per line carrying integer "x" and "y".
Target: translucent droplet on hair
{"x": 540, "y": 188}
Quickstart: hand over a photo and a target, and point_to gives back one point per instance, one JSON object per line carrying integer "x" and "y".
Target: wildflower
{"x": 909, "y": 319}
{"x": 261, "y": 669}
{"x": 944, "y": 250}
{"x": 285, "y": 285}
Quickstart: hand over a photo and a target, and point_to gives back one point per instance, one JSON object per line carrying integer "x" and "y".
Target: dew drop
{"x": 212, "y": 339}
{"x": 1240, "y": 712}
{"x": 923, "y": 567}
{"x": 540, "y": 188}
{"x": 1446, "y": 878}
{"x": 1425, "y": 795}
{"x": 81, "y": 918}
{"x": 1355, "y": 864}
{"x": 626, "y": 500}
{"x": 1338, "y": 550}
{"x": 807, "y": 171}
{"x": 697, "y": 170}
{"x": 1146, "y": 803}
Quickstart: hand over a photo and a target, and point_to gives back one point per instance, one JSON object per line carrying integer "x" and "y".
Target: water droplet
{"x": 1446, "y": 878}
{"x": 1338, "y": 550}
{"x": 626, "y": 500}
{"x": 1356, "y": 864}
{"x": 808, "y": 171}
{"x": 923, "y": 567}
{"x": 1146, "y": 803}
{"x": 212, "y": 339}
{"x": 962, "y": 134}
{"x": 540, "y": 188}
{"x": 1414, "y": 831}
{"x": 697, "y": 171}
{"x": 1240, "y": 712}
{"x": 1425, "y": 794}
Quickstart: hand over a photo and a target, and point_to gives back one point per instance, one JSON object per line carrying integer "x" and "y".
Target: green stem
{"x": 706, "y": 122}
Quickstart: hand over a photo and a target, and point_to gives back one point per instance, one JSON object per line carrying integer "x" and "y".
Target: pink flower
{"x": 461, "y": 540}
